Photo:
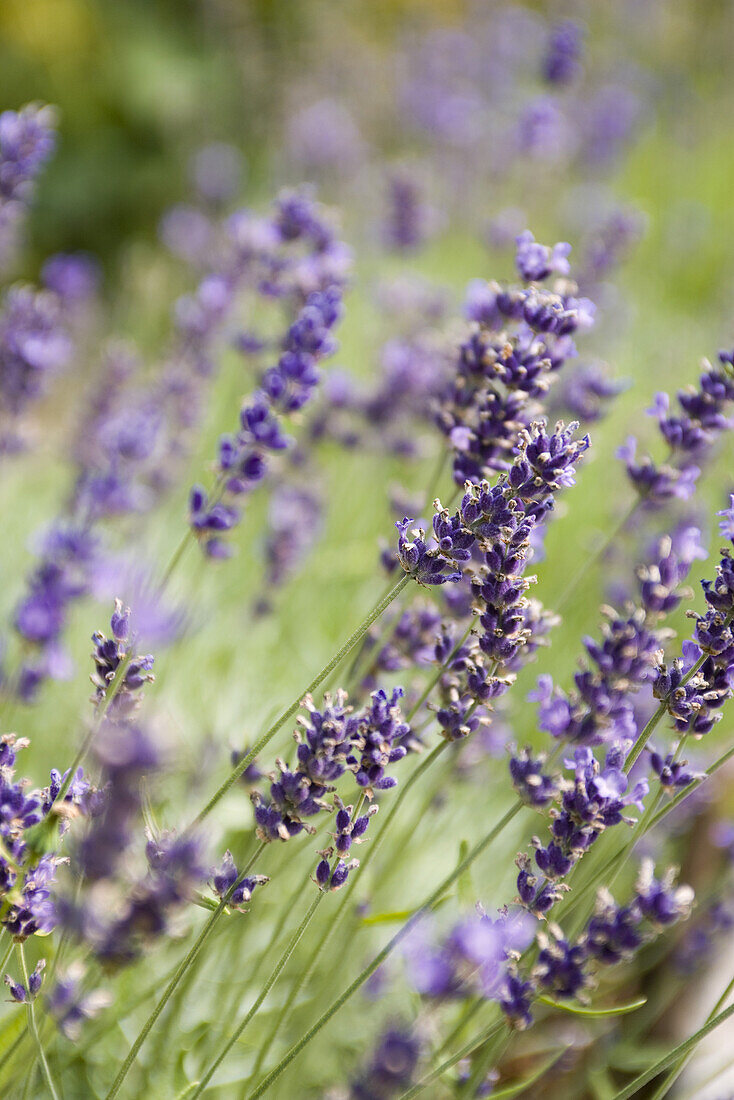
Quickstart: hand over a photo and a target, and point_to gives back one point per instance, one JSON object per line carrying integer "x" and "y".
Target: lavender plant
{"x": 340, "y": 802}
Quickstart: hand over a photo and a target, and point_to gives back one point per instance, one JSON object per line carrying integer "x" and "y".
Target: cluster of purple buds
{"x": 26, "y": 904}
{"x": 226, "y": 876}
{"x": 600, "y": 709}
{"x": 70, "y": 1006}
{"x": 533, "y": 785}
{"x": 34, "y": 347}
{"x": 506, "y": 365}
{"x": 673, "y": 774}
{"x": 285, "y": 388}
{"x": 21, "y": 993}
{"x": 594, "y": 800}
{"x": 409, "y": 218}
{"x": 114, "y": 661}
{"x": 412, "y": 642}
{"x": 175, "y": 871}
{"x": 544, "y": 463}
{"x": 535, "y": 262}
{"x": 562, "y": 60}
{"x": 349, "y": 830}
{"x": 471, "y": 959}
{"x": 68, "y": 554}
{"x": 704, "y": 413}
{"x": 330, "y": 742}
{"x": 696, "y": 688}
{"x": 391, "y": 1069}
{"x": 27, "y": 140}
{"x": 614, "y": 933}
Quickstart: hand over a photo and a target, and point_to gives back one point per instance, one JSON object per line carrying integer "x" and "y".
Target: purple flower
{"x": 409, "y": 218}
{"x": 535, "y": 262}
{"x": 73, "y": 276}
{"x": 391, "y": 1069}
{"x": 531, "y": 783}
{"x": 561, "y": 63}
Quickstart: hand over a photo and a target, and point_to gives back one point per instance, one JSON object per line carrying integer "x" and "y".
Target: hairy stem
{"x": 33, "y": 1027}
{"x": 188, "y": 961}
{"x": 380, "y": 957}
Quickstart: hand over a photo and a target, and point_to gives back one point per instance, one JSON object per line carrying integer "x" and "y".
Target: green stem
{"x": 177, "y": 555}
{"x": 259, "y": 745}
{"x": 33, "y": 1027}
{"x": 380, "y": 957}
{"x": 672, "y": 1056}
{"x": 8, "y": 950}
{"x": 680, "y": 1065}
{"x": 333, "y": 927}
{"x": 275, "y": 974}
{"x": 463, "y": 1052}
{"x": 279, "y": 966}
{"x": 198, "y": 945}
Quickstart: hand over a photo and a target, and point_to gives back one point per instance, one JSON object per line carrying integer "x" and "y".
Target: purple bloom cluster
{"x": 391, "y": 1069}
{"x": 330, "y": 742}
{"x": 470, "y": 958}
{"x": 600, "y": 709}
{"x": 704, "y": 413}
{"x": 544, "y": 463}
{"x": 533, "y": 785}
{"x": 591, "y": 802}
{"x": 409, "y": 218}
{"x": 285, "y": 388}
{"x": 34, "y": 346}
{"x": 126, "y": 753}
{"x": 522, "y": 339}
{"x": 694, "y": 699}
{"x": 26, "y": 904}
{"x": 109, "y": 654}
{"x": 70, "y": 1005}
{"x": 27, "y": 140}
{"x": 561, "y": 63}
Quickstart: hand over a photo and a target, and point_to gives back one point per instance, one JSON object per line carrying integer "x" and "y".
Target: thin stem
{"x": 380, "y": 957}
{"x": 680, "y": 1065}
{"x": 275, "y": 974}
{"x": 8, "y": 950}
{"x": 198, "y": 945}
{"x": 279, "y": 966}
{"x": 334, "y": 925}
{"x": 33, "y": 1027}
{"x": 176, "y": 558}
{"x": 463, "y": 1052}
{"x": 259, "y": 745}
{"x": 668, "y": 1059}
